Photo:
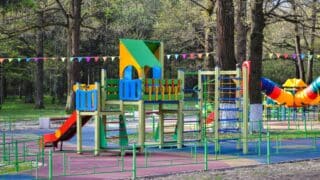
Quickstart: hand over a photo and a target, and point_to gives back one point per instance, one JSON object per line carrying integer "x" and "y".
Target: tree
{"x": 241, "y": 30}
{"x": 39, "y": 64}
{"x": 312, "y": 41}
{"x": 256, "y": 52}
{"x": 225, "y": 35}
{"x": 73, "y": 22}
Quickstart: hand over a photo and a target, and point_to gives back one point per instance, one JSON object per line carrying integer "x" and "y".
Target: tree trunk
{"x": 297, "y": 42}
{"x": 74, "y": 50}
{"x": 39, "y": 64}
{"x": 208, "y": 45}
{"x": 1, "y": 85}
{"x": 312, "y": 41}
{"x": 225, "y": 35}
{"x": 256, "y": 50}
{"x": 241, "y": 29}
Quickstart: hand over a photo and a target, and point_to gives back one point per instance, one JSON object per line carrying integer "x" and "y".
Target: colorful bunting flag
{"x": 88, "y": 59}
{"x": 278, "y": 55}
{"x": 104, "y": 58}
{"x": 1, "y": 60}
{"x": 302, "y": 56}
{"x": 168, "y": 56}
{"x": 294, "y": 56}
{"x": 184, "y": 56}
{"x": 200, "y": 55}
{"x": 176, "y": 56}
{"x": 112, "y": 58}
{"x": 96, "y": 58}
{"x": 71, "y": 59}
{"x": 207, "y": 55}
{"x": 191, "y": 56}
{"x": 286, "y": 55}
{"x": 63, "y": 59}
{"x": 10, "y": 59}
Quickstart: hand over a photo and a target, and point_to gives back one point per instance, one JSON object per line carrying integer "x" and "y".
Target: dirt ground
{"x": 296, "y": 170}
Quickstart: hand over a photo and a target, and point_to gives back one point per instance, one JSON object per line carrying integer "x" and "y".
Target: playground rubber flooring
{"x": 158, "y": 162}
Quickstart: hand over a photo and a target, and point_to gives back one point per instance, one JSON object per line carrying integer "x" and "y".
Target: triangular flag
{"x": 63, "y": 59}
{"x": 28, "y": 59}
{"x": 286, "y": 55}
{"x": 168, "y": 56}
{"x": 310, "y": 56}
{"x": 36, "y": 59}
{"x": 200, "y": 55}
{"x": 79, "y": 59}
{"x": 191, "y": 56}
{"x": 88, "y": 59}
{"x": 1, "y": 60}
{"x": 96, "y": 59}
{"x": 207, "y": 54}
{"x": 104, "y": 58}
{"x": 270, "y": 55}
{"x": 53, "y": 58}
{"x": 71, "y": 59}
{"x": 294, "y": 56}
{"x": 176, "y": 56}
{"x": 318, "y": 56}
{"x": 10, "y": 59}
{"x": 19, "y": 59}
{"x": 278, "y": 55}
{"x": 112, "y": 58}
{"x": 302, "y": 56}
{"x": 184, "y": 56}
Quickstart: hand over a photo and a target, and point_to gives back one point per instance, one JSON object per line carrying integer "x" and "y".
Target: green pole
{"x": 122, "y": 159}
{"x": 4, "y": 147}
{"x": 145, "y": 157}
{"x": 205, "y": 154}
{"x": 134, "y": 168}
{"x": 16, "y": 156}
{"x": 24, "y": 152}
{"x": 50, "y": 164}
{"x": 37, "y": 166}
{"x": 153, "y": 125}
{"x": 268, "y": 148}
{"x": 277, "y": 144}
{"x": 195, "y": 152}
{"x": 64, "y": 163}
{"x": 42, "y": 153}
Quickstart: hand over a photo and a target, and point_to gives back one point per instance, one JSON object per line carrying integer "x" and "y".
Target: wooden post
{"x": 180, "y": 109}
{"x": 79, "y": 129}
{"x": 200, "y": 104}
{"x": 216, "y": 106}
{"x": 245, "y": 110}
{"x": 161, "y": 125}
{"x": 97, "y": 122}
{"x": 103, "y": 88}
{"x": 142, "y": 124}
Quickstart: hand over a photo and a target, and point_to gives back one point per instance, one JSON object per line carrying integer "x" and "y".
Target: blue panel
{"x": 128, "y": 73}
{"x": 130, "y": 89}
{"x": 89, "y": 101}
{"x": 77, "y": 100}
{"x": 156, "y": 73}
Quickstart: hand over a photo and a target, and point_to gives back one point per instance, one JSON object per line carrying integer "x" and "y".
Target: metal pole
{"x": 16, "y": 156}
{"x": 64, "y": 162}
{"x": 37, "y": 166}
{"x": 134, "y": 168}
{"x": 4, "y": 147}
{"x": 205, "y": 154}
{"x": 268, "y": 148}
{"x": 50, "y": 164}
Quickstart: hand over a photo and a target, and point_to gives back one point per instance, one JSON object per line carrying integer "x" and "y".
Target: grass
{"x": 23, "y": 166}
{"x": 15, "y": 109}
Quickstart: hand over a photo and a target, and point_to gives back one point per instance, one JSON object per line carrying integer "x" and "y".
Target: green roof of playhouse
{"x": 142, "y": 51}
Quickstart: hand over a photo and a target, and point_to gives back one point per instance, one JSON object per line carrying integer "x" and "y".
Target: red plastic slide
{"x": 66, "y": 131}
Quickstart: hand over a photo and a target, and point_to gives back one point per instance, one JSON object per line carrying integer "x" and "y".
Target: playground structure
{"x": 142, "y": 85}
{"x": 297, "y": 104}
